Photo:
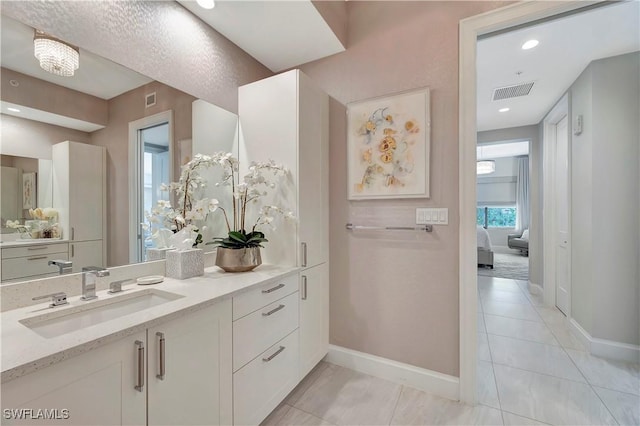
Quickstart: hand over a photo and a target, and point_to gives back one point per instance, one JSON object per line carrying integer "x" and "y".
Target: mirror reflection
{"x": 93, "y": 148}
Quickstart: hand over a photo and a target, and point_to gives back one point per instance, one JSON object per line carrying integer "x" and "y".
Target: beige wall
{"x": 115, "y": 137}
{"x": 395, "y": 294}
{"x": 58, "y": 100}
{"x": 28, "y": 138}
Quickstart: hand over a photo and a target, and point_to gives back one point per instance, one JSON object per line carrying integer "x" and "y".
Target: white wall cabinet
{"x": 314, "y": 316}
{"x": 101, "y": 387}
{"x": 79, "y": 195}
{"x": 285, "y": 118}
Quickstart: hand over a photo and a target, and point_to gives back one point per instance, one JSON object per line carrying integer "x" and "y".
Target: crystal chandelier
{"x": 55, "y": 56}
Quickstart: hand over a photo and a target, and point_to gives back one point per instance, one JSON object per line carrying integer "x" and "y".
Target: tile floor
{"x": 531, "y": 371}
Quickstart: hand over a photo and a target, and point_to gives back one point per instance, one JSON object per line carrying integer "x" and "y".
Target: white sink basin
{"x": 53, "y": 324}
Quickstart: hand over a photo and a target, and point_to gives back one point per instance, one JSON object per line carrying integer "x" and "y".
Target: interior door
{"x": 562, "y": 237}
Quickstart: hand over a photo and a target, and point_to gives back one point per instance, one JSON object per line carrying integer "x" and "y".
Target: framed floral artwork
{"x": 28, "y": 190}
{"x": 388, "y": 143}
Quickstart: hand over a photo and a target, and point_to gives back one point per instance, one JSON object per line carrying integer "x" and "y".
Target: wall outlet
{"x": 430, "y": 216}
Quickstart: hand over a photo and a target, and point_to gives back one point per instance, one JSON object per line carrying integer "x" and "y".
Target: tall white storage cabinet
{"x": 79, "y": 195}
{"x": 285, "y": 118}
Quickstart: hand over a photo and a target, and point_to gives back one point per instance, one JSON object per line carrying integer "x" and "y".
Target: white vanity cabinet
{"x": 96, "y": 388}
{"x": 189, "y": 373}
{"x": 31, "y": 261}
{"x": 314, "y": 316}
{"x": 265, "y": 349}
{"x": 285, "y": 118}
{"x": 118, "y": 383}
{"x": 79, "y": 195}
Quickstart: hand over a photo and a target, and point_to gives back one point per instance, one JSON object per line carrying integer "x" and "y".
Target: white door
{"x": 563, "y": 283}
{"x": 314, "y": 316}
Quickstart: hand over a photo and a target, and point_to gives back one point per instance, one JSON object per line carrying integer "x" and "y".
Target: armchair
{"x": 519, "y": 241}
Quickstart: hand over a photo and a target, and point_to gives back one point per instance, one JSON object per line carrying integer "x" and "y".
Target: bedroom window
{"x": 496, "y": 217}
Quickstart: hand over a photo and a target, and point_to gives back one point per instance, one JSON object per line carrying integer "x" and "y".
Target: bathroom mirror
{"x": 96, "y": 106}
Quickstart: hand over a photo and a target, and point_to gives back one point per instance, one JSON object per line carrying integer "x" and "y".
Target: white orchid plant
{"x": 192, "y": 212}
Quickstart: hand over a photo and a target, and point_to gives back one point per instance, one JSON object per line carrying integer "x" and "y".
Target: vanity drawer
{"x": 34, "y": 250}
{"x": 256, "y": 332}
{"x": 36, "y": 264}
{"x": 262, "y": 384}
{"x": 264, "y": 294}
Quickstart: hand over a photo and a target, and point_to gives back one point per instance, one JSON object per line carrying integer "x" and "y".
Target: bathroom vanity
{"x": 217, "y": 349}
{"x": 29, "y": 259}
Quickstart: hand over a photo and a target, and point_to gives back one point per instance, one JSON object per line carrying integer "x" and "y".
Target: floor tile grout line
{"x": 591, "y": 386}
{"x": 395, "y": 406}
{"x": 526, "y": 340}
{"x": 526, "y": 417}
{"x": 311, "y": 414}
{"x": 542, "y": 374}
{"x": 519, "y": 319}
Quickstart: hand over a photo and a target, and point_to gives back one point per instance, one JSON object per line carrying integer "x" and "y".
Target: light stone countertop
{"x": 24, "y": 351}
{"x": 31, "y": 242}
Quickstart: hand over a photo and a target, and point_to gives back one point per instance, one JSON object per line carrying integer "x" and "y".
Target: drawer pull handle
{"x": 275, "y": 354}
{"x": 37, "y": 258}
{"x": 140, "y": 376}
{"x": 304, "y": 254}
{"x": 304, "y": 287}
{"x": 161, "y": 363}
{"x": 273, "y": 311}
{"x": 36, "y": 248}
{"x": 271, "y": 290}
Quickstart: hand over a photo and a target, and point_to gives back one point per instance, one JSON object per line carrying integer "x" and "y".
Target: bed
{"x": 485, "y": 252}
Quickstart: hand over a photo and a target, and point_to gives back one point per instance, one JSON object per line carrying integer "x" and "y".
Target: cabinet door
{"x": 86, "y": 192}
{"x": 85, "y": 253}
{"x": 313, "y": 174}
{"x": 94, "y": 388}
{"x": 195, "y": 385}
{"x": 314, "y": 316}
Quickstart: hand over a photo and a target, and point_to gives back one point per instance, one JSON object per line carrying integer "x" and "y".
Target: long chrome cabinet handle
{"x": 275, "y": 354}
{"x": 271, "y": 290}
{"x": 304, "y": 254}
{"x": 73, "y": 233}
{"x": 304, "y": 287}
{"x": 37, "y": 258}
{"x": 36, "y": 248}
{"x": 273, "y": 311}
{"x": 161, "y": 363}
{"x": 140, "y": 376}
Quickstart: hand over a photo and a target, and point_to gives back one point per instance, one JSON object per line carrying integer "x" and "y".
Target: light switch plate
{"x": 432, "y": 216}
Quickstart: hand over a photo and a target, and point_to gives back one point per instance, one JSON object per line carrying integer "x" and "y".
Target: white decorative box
{"x": 183, "y": 264}
{"x": 157, "y": 253}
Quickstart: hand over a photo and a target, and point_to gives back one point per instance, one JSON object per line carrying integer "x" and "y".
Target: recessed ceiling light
{"x": 13, "y": 109}
{"x": 530, "y": 44}
{"x": 206, "y": 4}
{"x": 503, "y": 110}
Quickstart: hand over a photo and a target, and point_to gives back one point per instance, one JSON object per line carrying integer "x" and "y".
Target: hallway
{"x": 530, "y": 364}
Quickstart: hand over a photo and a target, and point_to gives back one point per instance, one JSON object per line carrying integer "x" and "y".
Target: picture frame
{"x": 388, "y": 146}
{"x": 29, "y": 195}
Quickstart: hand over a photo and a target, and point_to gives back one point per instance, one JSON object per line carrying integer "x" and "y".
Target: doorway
{"x": 150, "y": 154}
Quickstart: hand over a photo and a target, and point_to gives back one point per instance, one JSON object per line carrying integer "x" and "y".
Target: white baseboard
{"x": 419, "y": 378}
{"x": 535, "y": 288}
{"x": 606, "y": 348}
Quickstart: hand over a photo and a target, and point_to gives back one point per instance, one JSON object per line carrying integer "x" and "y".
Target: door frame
{"x": 470, "y": 28}
{"x": 557, "y": 113}
{"x": 135, "y": 183}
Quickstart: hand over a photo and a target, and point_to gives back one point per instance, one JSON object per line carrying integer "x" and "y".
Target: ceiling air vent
{"x": 512, "y": 91}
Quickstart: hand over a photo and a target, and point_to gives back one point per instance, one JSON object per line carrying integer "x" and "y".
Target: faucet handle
{"x": 57, "y": 299}
{"x": 98, "y": 271}
{"x": 116, "y": 286}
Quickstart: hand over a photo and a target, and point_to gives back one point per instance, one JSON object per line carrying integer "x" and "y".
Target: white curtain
{"x": 522, "y": 194}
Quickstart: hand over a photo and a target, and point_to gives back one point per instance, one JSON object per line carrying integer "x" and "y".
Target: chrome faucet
{"x": 65, "y": 266}
{"x": 89, "y": 275}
